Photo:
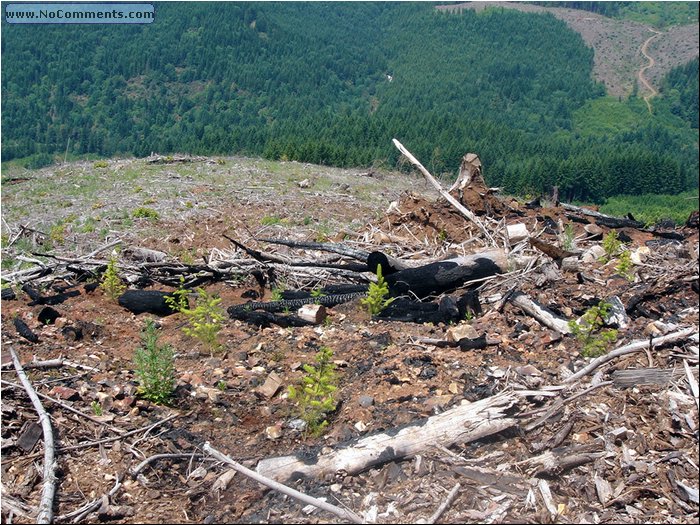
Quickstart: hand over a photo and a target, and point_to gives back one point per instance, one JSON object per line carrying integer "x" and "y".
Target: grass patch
{"x": 651, "y": 209}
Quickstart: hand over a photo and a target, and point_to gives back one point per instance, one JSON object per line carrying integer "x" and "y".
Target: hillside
{"x": 333, "y": 84}
{"x": 616, "y": 42}
{"x": 617, "y": 442}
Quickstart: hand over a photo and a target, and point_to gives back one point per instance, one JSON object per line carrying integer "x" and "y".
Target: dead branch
{"x": 445, "y": 504}
{"x": 333, "y": 247}
{"x": 462, "y": 424}
{"x": 45, "y": 511}
{"x": 68, "y": 407}
{"x": 635, "y": 346}
{"x": 341, "y": 513}
{"x": 464, "y": 211}
{"x": 535, "y": 310}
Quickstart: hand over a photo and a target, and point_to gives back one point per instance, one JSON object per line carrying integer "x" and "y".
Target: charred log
{"x": 24, "y": 331}
{"x": 48, "y": 315}
{"x": 446, "y": 276}
{"x": 389, "y": 264}
{"x": 146, "y": 301}
{"x": 8, "y": 294}
{"x": 265, "y": 319}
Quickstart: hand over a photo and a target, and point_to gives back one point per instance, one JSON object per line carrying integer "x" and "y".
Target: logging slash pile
{"x": 469, "y": 358}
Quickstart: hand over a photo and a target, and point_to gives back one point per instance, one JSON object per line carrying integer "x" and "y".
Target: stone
{"x": 461, "y": 331}
{"x": 593, "y": 253}
{"x": 271, "y": 386}
{"x": 517, "y": 233}
{"x": 365, "y": 401}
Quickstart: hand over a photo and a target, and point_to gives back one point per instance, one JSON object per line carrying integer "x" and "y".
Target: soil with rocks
{"x": 618, "y": 444}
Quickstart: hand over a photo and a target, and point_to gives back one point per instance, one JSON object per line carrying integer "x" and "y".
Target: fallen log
{"x": 265, "y": 319}
{"x": 459, "y": 425}
{"x": 540, "y": 313}
{"x": 604, "y": 220}
{"x": 146, "y": 301}
{"x": 446, "y": 275}
{"x": 389, "y": 264}
{"x": 24, "y": 330}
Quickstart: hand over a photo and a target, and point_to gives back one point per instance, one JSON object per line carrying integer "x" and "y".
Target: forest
{"x": 333, "y": 83}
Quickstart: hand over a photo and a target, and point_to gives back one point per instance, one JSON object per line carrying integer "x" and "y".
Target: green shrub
{"x": 612, "y": 246}
{"x": 111, "y": 284}
{"x": 155, "y": 366}
{"x": 204, "y": 320}
{"x": 145, "y": 213}
{"x": 624, "y": 265}
{"x": 589, "y": 330}
{"x": 375, "y": 300}
{"x": 315, "y": 393}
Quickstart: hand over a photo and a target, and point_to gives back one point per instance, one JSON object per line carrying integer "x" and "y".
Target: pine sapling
{"x": 155, "y": 366}
{"x": 315, "y": 393}
{"x": 589, "y": 330}
{"x": 112, "y": 284}
{"x": 375, "y": 300}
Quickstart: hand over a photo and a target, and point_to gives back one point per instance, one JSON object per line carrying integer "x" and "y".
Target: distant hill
{"x": 333, "y": 83}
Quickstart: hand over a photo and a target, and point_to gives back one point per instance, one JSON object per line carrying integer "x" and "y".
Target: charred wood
{"x": 146, "y": 301}
{"x": 445, "y": 276}
{"x": 24, "y": 331}
{"x": 265, "y": 319}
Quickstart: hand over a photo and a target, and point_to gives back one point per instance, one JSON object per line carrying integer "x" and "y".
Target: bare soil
{"x": 642, "y": 436}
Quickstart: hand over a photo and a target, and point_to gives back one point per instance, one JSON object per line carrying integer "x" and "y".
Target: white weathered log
{"x": 462, "y": 424}
{"x": 45, "y": 511}
{"x": 545, "y": 317}
{"x": 635, "y": 346}
{"x": 314, "y": 313}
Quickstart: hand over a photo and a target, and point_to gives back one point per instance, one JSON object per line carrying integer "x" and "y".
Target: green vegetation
{"x": 589, "y": 330}
{"x": 651, "y": 209}
{"x": 376, "y": 297}
{"x": 568, "y": 237}
{"x": 204, "y": 320}
{"x": 112, "y": 284}
{"x": 612, "y": 246}
{"x": 96, "y": 408}
{"x": 145, "y": 213}
{"x": 315, "y": 393}
{"x": 155, "y": 366}
{"x": 624, "y": 265}
{"x": 333, "y": 83}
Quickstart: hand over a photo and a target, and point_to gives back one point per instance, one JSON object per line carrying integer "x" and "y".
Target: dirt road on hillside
{"x": 640, "y": 75}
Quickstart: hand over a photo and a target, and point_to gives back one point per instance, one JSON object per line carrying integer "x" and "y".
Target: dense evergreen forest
{"x": 333, "y": 83}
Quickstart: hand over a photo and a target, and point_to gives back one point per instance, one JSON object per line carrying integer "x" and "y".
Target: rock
{"x": 270, "y": 387}
{"x": 516, "y": 233}
{"x": 639, "y": 255}
{"x": 65, "y": 393}
{"x": 306, "y": 183}
{"x": 593, "y": 253}
{"x": 360, "y": 426}
{"x": 461, "y": 331}
{"x": 314, "y": 313}
{"x": 273, "y": 432}
{"x": 617, "y": 316}
{"x": 593, "y": 229}
{"x": 365, "y": 401}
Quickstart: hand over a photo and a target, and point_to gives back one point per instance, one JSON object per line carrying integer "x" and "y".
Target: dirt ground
{"x": 633, "y": 442}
